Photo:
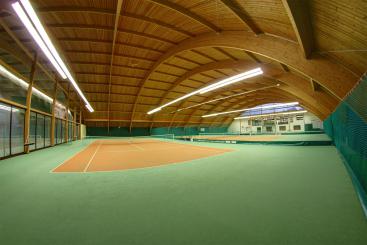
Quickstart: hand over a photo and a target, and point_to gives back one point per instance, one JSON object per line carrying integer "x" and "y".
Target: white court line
{"x": 90, "y": 160}
{"x": 136, "y": 146}
{"x": 52, "y": 170}
{"x": 167, "y": 148}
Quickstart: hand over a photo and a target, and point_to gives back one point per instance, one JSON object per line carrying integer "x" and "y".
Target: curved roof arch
{"x": 130, "y": 59}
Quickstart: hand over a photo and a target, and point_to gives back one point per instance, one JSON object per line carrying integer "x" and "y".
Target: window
{"x": 40, "y": 136}
{"x": 62, "y": 135}
{"x": 282, "y": 128}
{"x": 47, "y": 131}
{"x": 58, "y": 131}
{"x": 77, "y": 131}
{"x": 32, "y": 130}
{"x": 4, "y": 130}
{"x": 70, "y": 132}
{"x": 296, "y": 127}
{"x": 17, "y": 130}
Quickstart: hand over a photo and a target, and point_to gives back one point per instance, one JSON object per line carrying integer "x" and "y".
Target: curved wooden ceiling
{"x": 130, "y": 56}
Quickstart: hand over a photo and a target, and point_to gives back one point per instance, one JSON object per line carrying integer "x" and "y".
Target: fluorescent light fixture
{"x": 39, "y": 34}
{"x": 37, "y": 23}
{"x": 27, "y": 23}
{"x": 211, "y": 115}
{"x": 90, "y": 109}
{"x": 233, "y": 79}
{"x": 254, "y": 108}
{"x": 222, "y": 83}
{"x": 227, "y": 97}
{"x": 155, "y": 110}
{"x": 272, "y": 114}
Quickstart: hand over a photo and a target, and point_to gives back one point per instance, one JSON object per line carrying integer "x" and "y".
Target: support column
{"x": 53, "y": 120}
{"x": 28, "y": 105}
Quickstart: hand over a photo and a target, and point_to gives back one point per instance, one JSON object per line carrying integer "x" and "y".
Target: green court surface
{"x": 304, "y": 137}
{"x": 256, "y": 194}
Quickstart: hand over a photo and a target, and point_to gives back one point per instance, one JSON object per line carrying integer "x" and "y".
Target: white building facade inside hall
{"x": 294, "y": 123}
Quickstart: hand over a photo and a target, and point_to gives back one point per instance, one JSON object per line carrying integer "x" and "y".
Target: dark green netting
{"x": 177, "y": 131}
{"x": 117, "y": 131}
{"x": 347, "y": 126}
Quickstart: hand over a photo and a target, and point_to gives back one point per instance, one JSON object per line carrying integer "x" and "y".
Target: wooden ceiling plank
{"x": 241, "y": 13}
{"x": 109, "y": 54}
{"x": 187, "y": 13}
{"x": 298, "y": 12}
{"x": 253, "y": 57}
{"x": 107, "y": 64}
{"x": 225, "y": 53}
{"x": 284, "y": 67}
{"x": 105, "y": 28}
{"x": 55, "y": 9}
{"x": 117, "y": 20}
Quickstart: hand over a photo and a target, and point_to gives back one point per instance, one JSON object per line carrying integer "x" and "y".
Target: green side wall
{"x": 347, "y": 126}
{"x": 178, "y": 131}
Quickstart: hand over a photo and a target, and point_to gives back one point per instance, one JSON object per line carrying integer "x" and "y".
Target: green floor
{"x": 254, "y": 195}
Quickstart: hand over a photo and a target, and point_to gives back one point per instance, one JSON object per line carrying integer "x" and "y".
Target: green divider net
{"x": 347, "y": 126}
{"x": 177, "y": 131}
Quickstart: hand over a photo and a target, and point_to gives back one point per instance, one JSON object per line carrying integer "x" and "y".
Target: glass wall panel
{"x": 70, "y": 132}
{"x": 62, "y": 131}
{"x": 17, "y": 130}
{"x": 59, "y": 132}
{"x": 4, "y": 130}
{"x": 55, "y": 132}
{"x": 41, "y": 104}
{"x": 77, "y": 131}
{"x": 70, "y": 116}
{"x": 32, "y": 130}
{"x": 12, "y": 90}
{"x": 47, "y": 131}
{"x": 40, "y": 138}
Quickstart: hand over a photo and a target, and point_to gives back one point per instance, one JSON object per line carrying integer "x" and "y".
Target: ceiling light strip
{"x": 272, "y": 114}
{"x": 234, "y": 79}
{"x": 39, "y": 34}
{"x": 222, "y": 83}
{"x": 229, "y": 96}
{"x": 27, "y": 23}
{"x": 253, "y": 108}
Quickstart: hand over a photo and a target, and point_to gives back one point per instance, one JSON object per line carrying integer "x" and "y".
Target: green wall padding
{"x": 178, "y": 131}
{"x": 347, "y": 126}
{"x": 117, "y": 131}
{"x": 308, "y": 127}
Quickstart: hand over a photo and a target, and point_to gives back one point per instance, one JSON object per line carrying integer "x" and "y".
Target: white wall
{"x": 83, "y": 131}
{"x": 312, "y": 119}
{"x": 242, "y": 126}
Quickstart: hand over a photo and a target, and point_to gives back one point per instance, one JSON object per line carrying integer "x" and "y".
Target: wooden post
{"x": 28, "y": 105}
{"x": 74, "y": 124}
{"x": 53, "y": 121}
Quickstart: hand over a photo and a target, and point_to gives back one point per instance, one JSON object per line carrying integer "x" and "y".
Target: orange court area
{"x": 122, "y": 154}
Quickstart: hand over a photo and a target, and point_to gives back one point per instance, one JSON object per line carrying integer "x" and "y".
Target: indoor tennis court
{"x": 134, "y": 152}
{"x": 183, "y": 122}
